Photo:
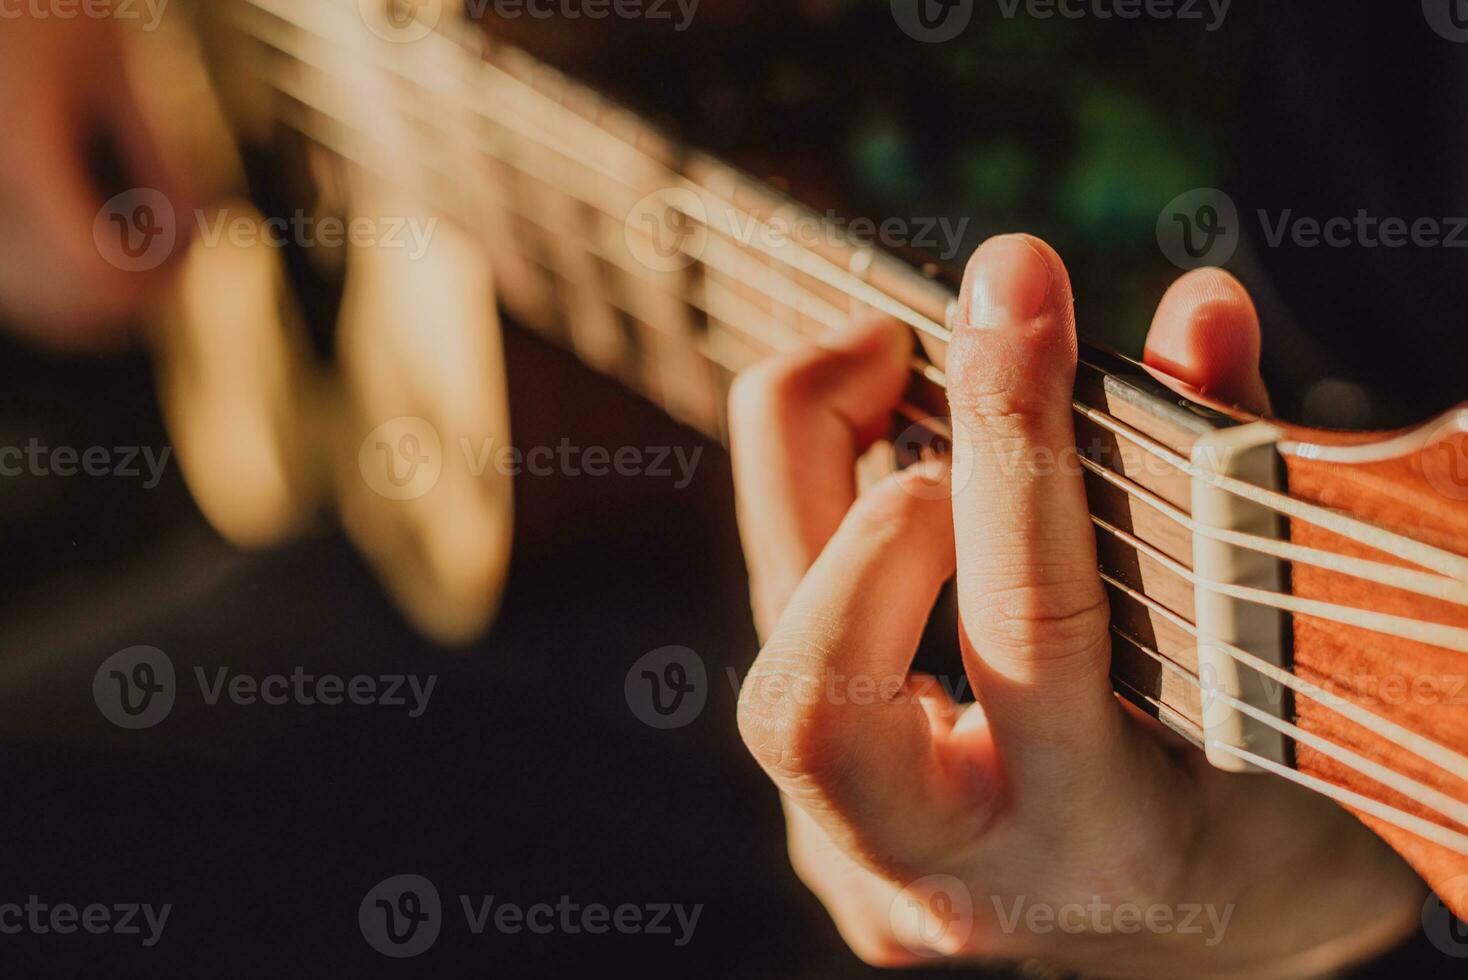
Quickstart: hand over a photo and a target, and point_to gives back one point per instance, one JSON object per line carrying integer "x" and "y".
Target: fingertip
{"x": 1206, "y": 334}
{"x": 1012, "y": 279}
{"x": 875, "y": 335}
{"x": 1014, "y": 336}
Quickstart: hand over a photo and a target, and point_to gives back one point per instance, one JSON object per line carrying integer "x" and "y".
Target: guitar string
{"x": 823, "y": 269}
{"x": 1435, "y": 634}
{"x": 1396, "y": 576}
{"x": 762, "y": 269}
{"x": 1420, "y": 793}
{"x": 1419, "y": 745}
{"x": 1409, "y": 822}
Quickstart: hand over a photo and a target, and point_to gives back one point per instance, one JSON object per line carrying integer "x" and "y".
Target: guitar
{"x": 1294, "y": 602}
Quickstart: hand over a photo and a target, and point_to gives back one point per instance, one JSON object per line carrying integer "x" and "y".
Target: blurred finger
{"x": 798, "y": 422}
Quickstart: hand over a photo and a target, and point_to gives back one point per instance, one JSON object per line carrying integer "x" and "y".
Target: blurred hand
{"x": 63, "y": 93}
{"x": 1016, "y": 827}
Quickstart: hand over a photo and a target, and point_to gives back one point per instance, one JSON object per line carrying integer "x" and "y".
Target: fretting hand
{"x": 1022, "y": 825}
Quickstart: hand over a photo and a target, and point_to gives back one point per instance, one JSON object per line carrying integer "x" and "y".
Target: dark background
{"x": 529, "y": 777}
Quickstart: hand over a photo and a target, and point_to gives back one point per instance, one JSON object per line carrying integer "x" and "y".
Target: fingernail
{"x": 1008, "y": 282}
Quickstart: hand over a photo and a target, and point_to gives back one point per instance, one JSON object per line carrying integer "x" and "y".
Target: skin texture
{"x": 64, "y": 85}
{"x": 923, "y": 827}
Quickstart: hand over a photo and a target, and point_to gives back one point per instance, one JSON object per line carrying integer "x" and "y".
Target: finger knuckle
{"x": 783, "y": 718}
{"x": 1050, "y": 623}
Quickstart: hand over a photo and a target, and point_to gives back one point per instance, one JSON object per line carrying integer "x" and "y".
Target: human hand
{"x": 63, "y": 93}
{"x": 1000, "y": 830}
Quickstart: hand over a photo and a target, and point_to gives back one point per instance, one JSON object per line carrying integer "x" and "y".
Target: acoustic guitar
{"x": 1294, "y": 602}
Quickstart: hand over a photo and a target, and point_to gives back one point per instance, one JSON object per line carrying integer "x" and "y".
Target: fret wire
{"x": 1416, "y": 791}
{"x": 1423, "y": 583}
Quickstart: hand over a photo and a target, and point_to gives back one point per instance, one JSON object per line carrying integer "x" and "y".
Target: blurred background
{"x": 534, "y": 771}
